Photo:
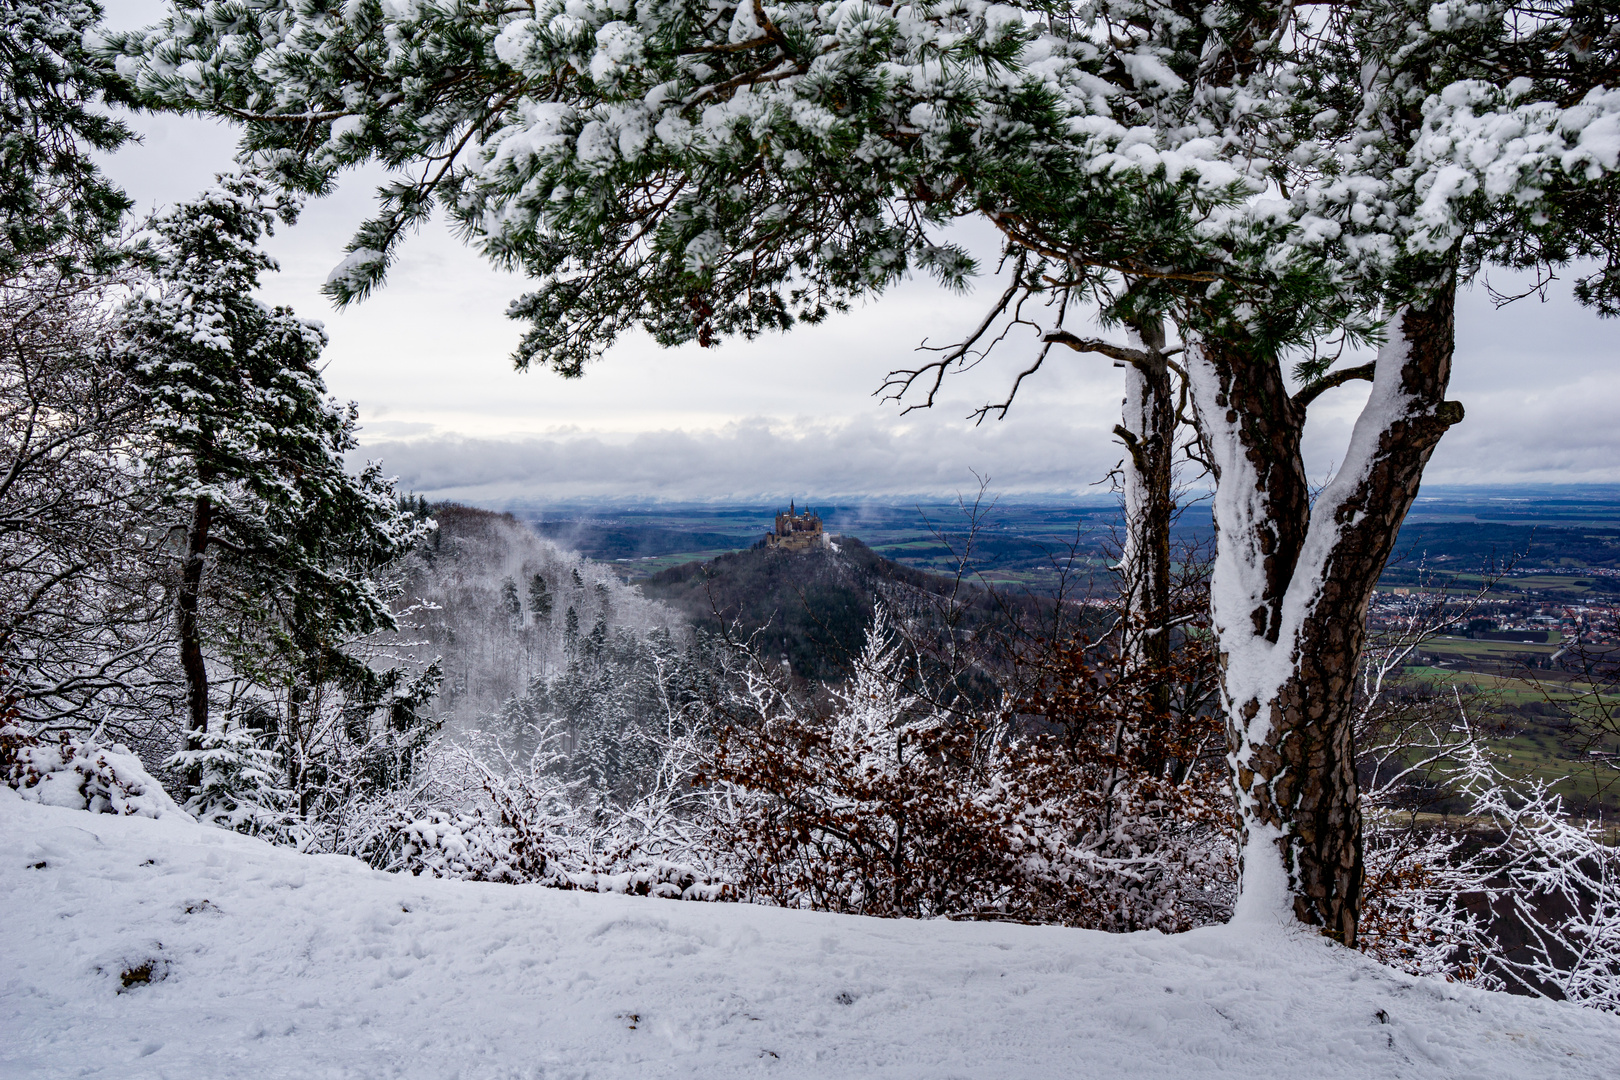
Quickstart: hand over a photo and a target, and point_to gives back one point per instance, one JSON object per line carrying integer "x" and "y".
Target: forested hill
{"x": 812, "y": 608}
{"x": 502, "y": 608}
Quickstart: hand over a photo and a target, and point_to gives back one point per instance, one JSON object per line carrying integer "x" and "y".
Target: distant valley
{"x": 1035, "y": 546}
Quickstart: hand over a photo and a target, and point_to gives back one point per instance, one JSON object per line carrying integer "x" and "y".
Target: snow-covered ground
{"x": 267, "y": 964}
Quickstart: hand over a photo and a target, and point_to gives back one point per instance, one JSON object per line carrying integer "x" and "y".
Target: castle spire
{"x": 790, "y": 508}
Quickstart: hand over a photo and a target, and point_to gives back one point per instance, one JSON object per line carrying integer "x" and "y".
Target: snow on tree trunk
{"x": 1289, "y": 597}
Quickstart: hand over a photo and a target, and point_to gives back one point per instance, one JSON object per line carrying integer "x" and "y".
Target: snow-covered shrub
{"x": 892, "y": 806}
{"x": 1528, "y": 899}
{"x": 1131, "y": 749}
{"x": 610, "y": 703}
{"x": 81, "y": 774}
{"x": 238, "y": 788}
{"x": 1419, "y": 876}
{"x": 1551, "y": 877}
{"x": 532, "y": 824}
{"x": 473, "y": 846}
{"x": 481, "y": 846}
{"x": 1414, "y": 909}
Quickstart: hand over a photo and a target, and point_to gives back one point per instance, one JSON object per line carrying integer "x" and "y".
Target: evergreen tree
{"x": 539, "y": 600}
{"x": 598, "y": 638}
{"x": 511, "y": 603}
{"x": 249, "y": 454}
{"x": 571, "y": 626}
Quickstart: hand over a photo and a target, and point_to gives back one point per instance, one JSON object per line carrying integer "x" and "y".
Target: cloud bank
{"x": 1565, "y": 434}
{"x": 756, "y": 459}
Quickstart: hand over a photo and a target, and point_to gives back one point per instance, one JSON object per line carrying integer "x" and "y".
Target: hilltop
{"x": 813, "y": 607}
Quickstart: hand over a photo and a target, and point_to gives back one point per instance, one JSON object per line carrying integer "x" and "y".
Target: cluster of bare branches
{"x": 82, "y": 612}
{"x": 1585, "y": 702}
{"x": 901, "y": 795}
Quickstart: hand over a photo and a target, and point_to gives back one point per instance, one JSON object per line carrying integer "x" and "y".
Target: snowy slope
{"x": 282, "y": 965}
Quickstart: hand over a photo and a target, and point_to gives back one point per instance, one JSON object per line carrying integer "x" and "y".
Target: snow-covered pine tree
{"x": 248, "y": 453}
{"x": 1400, "y": 168}
{"x": 1409, "y": 157}
{"x": 239, "y": 785}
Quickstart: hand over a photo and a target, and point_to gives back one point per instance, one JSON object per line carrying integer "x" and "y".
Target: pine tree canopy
{"x": 698, "y": 170}
{"x": 703, "y": 169}
{"x": 52, "y": 195}
{"x": 239, "y": 415}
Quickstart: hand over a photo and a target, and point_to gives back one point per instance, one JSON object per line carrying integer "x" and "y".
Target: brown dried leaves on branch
{"x": 1077, "y": 805}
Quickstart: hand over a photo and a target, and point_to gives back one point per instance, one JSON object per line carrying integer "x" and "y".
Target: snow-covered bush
{"x": 531, "y": 823}
{"x": 1553, "y": 878}
{"x": 239, "y": 788}
{"x": 610, "y": 704}
{"x": 1415, "y": 914}
{"x": 581, "y": 781}
{"x": 80, "y": 774}
{"x": 1525, "y": 899}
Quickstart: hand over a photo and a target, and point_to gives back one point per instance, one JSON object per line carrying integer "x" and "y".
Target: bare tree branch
{"x": 1337, "y": 378}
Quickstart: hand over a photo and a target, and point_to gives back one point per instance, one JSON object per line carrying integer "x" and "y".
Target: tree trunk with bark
{"x": 1148, "y": 430}
{"x": 1147, "y": 427}
{"x": 191, "y": 653}
{"x": 1290, "y": 590}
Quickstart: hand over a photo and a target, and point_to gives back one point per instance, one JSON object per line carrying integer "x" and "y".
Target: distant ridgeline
{"x": 797, "y": 532}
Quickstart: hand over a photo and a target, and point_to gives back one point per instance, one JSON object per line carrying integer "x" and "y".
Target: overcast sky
{"x": 794, "y": 415}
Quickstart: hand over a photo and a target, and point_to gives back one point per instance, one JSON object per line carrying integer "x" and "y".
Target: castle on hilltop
{"x": 796, "y": 532}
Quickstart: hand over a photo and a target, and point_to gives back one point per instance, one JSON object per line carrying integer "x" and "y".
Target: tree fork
{"x": 1293, "y": 582}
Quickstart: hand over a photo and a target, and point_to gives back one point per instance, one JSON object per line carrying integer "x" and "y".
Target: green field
{"x": 646, "y": 566}
{"x": 1496, "y": 654}
{"x": 1530, "y": 744}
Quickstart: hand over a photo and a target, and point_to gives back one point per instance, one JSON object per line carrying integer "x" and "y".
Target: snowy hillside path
{"x": 287, "y": 965}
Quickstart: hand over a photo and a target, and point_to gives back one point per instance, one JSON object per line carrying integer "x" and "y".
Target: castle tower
{"x": 795, "y": 531}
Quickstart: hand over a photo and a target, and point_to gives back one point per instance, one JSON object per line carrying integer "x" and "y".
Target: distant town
{"x": 1529, "y": 607}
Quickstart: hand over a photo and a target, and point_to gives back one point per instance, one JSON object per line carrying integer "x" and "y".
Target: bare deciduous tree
{"x": 81, "y": 613}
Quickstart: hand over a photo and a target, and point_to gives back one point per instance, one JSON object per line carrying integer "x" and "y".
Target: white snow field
{"x": 266, "y": 963}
